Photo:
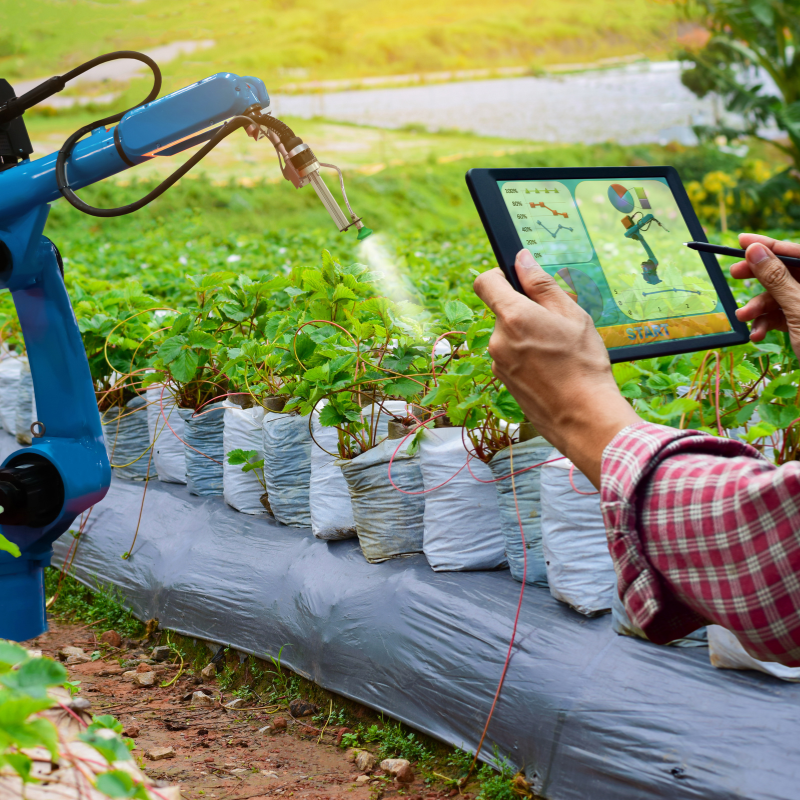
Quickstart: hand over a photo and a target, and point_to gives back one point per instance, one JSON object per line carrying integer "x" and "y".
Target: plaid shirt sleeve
{"x": 702, "y": 530}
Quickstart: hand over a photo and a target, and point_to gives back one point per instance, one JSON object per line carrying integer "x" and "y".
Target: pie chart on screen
{"x": 621, "y": 198}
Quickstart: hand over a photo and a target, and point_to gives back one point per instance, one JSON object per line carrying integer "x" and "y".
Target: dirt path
{"x": 218, "y": 753}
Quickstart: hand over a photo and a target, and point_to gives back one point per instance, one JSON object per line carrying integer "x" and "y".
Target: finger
{"x": 774, "y": 321}
{"x": 494, "y": 289}
{"x": 756, "y": 306}
{"x": 541, "y": 287}
{"x": 779, "y": 247}
{"x": 773, "y": 275}
{"x": 741, "y": 271}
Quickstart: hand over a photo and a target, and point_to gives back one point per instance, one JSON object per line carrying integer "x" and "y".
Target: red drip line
{"x": 516, "y": 617}
{"x": 166, "y": 422}
{"x": 574, "y": 487}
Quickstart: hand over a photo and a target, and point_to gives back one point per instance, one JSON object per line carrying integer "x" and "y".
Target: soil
{"x": 219, "y": 753}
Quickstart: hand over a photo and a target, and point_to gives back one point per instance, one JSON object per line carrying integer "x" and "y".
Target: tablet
{"x": 613, "y": 239}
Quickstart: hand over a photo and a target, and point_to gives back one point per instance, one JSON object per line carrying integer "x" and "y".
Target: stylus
{"x": 718, "y": 249}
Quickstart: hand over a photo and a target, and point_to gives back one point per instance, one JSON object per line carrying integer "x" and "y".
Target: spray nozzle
{"x": 300, "y": 166}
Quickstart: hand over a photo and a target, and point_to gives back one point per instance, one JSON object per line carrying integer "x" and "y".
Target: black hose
{"x": 19, "y": 105}
{"x": 234, "y": 123}
{"x": 285, "y": 133}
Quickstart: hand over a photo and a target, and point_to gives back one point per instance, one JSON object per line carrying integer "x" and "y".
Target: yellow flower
{"x": 696, "y": 192}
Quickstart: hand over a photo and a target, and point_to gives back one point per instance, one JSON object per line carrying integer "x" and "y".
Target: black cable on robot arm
{"x": 19, "y": 105}
{"x": 234, "y": 123}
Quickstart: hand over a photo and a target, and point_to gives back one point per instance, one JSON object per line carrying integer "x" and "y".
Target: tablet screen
{"x": 616, "y": 247}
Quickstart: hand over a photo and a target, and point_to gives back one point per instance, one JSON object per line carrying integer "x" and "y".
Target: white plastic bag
{"x": 287, "y": 467}
{"x": 528, "y": 500}
{"x": 726, "y": 652}
{"x": 128, "y": 441}
{"x": 242, "y": 431}
{"x": 204, "y": 455}
{"x": 462, "y": 528}
{"x": 329, "y": 498}
{"x": 26, "y": 405}
{"x": 166, "y": 433}
{"x": 580, "y": 571}
{"x": 388, "y": 522}
{"x": 10, "y": 371}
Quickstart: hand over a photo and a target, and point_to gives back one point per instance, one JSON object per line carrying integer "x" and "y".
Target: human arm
{"x": 547, "y": 352}
{"x": 700, "y": 528}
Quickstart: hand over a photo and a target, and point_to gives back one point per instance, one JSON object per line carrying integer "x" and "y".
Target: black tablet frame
{"x": 506, "y": 244}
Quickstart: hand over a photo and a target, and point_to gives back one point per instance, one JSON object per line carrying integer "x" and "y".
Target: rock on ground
{"x": 159, "y": 753}
{"x": 210, "y": 741}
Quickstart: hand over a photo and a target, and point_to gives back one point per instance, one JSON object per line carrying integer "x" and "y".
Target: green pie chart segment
{"x": 621, "y": 198}
{"x": 589, "y": 297}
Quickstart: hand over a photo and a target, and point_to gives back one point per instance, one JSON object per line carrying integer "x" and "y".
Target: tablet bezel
{"x": 506, "y": 244}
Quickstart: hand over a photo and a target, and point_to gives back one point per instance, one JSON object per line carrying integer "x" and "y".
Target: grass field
{"x": 285, "y": 41}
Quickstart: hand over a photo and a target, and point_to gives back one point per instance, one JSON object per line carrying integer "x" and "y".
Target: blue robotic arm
{"x": 44, "y": 487}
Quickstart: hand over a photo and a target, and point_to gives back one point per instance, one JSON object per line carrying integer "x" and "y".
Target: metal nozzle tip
{"x": 363, "y": 233}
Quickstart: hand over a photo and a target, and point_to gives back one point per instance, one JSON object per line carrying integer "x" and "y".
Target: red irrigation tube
{"x": 166, "y": 422}
{"x": 516, "y": 618}
{"x": 511, "y": 475}
{"x": 574, "y": 487}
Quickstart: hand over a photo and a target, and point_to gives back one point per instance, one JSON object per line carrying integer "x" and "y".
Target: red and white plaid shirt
{"x": 704, "y": 530}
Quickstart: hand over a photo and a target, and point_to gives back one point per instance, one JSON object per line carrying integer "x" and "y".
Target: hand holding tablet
{"x": 613, "y": 240}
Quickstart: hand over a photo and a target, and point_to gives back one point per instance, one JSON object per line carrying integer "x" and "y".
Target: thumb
{"x": 540, "y": 286}
{"x": 775, "y": 277}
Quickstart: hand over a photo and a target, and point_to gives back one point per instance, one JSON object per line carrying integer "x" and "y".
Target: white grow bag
{"x": 166, "y": 432}
{"x": 242, "y": 431}
{"x": 462, "y": 526}
{"x": 580, "y": 571}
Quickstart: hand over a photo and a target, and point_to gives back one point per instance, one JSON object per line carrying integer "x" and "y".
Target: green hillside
{"x": 282, "y": 40}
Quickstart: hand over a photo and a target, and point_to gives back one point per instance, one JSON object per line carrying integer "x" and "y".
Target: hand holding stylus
{"x": 778, "y": 308}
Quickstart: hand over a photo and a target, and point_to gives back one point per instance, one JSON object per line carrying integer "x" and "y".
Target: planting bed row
{"x": 587, "y": 713}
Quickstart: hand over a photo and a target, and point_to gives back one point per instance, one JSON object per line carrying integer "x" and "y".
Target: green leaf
{"x": 8, "y": 547}
{"x": 116, "y": 783}
{"x": 330, "y": 416}
{"x": 184, "y": 367}
{"x": 112, "y": 748}
{"x": 767, "y": 347}
{"x": 31, "y": 733}
{"x": 457, "y": 314}
{"x": 20, "y": 763}
{"x": 240, "y": 456}
{"x": 631, "y": 389}
{"x": 106, "y": 722}
{"x": 11, "y": 654}
{"x": 202, "y": 339}
{"x": 181, "y": 323}
{"x": 759, "y": 431}
{"x": 404, "y": 387}
{"x": 341, "y": 292}
{"x": 778, "y": 416}
{"x": 304, "y": 347}
{"x": 34, "y": 676}
{"x": 171, "y": 348}
{"x": 744, "y": 414}
{"x": 785, "y": 391}
{"x": 506, "y": 407}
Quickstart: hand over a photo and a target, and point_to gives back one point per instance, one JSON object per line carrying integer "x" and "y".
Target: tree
{"x": 748, "y": 40}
